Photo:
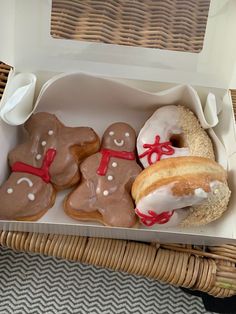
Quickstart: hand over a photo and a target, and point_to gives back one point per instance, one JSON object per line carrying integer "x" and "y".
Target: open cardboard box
{"x": 81, "y": 99}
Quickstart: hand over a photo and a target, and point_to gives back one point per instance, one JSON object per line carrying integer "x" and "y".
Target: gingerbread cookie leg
{"x": 80, "y": 203}
{"x": 120, "y": 213}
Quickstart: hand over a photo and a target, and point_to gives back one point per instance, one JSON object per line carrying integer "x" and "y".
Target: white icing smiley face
{"x": 30, "y": 196}
{"x": 118, "y": 143}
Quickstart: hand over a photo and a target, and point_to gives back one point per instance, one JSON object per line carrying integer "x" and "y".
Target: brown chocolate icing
{"x": 108, "y": 194}
{"x": 31, "y": 195}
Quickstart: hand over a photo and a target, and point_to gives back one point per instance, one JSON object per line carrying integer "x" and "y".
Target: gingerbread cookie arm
{"x": 134, "y": 172}
{"x": 89, "y": 167}
{"x": 81, "y": 136}
{"x": 24, "y": 152}
{"x": 74, "y": 145}
{"x": 83, "y": 142}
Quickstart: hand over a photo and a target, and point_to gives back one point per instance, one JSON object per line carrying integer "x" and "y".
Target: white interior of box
{"x": 29, "y": 47}
{"x": 80, "y": 99}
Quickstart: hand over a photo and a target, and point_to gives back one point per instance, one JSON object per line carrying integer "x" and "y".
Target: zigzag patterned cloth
{"x": 30, "y": 283}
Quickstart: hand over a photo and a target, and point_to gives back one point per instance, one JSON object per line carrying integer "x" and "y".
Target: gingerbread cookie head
{"x": 120, "y": 137}
{"x": 72, "y": 145}
{"x": 25, "y": 197}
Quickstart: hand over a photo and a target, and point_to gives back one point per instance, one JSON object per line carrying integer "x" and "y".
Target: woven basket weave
{"x": 187, "y": 266}
{"x": 4, "y": 70}
{"x": 165, "y": 24}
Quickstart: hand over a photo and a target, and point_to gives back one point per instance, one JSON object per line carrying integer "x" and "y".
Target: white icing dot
{"x": 38, "y": 156}
{"x": 110, "y": 178}
{"x": 114, "y": 164}
{"x": 50, "y": 132}
{"x": 105, "y": 193}
{"x": 43, "y": 143}
{"x": 111, "y": 133}
{"x": 127, "y": 134}
{"x": 10, "y": 190}
{"x": 31, "y": 197}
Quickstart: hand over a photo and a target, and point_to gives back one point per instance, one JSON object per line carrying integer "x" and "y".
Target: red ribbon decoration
{"x": 154, "y": 218}
{"x": 107, "y": 154}
{"x": 158, "y": 148}
{"x": 42, "y": 172}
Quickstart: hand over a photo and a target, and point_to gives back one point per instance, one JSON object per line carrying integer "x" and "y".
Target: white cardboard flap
{"x": 55, "y": 90}
{"x": 17, "y": 102}
{"x": 32, "y": 49}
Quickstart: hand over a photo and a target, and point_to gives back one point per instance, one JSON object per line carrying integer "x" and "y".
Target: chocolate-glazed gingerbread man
{"x": 46, "y": 162}
{"x": 107, "y": 177}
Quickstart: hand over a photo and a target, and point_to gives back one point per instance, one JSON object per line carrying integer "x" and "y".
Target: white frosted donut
{"x": 186, "y": 191}
{"x": 172, "y": 131}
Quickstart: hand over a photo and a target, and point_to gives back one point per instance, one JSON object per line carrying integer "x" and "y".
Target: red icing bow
{"x": 154, "y": 218}
{"x": 157, "y": 148}
{"x": 42, "y": 172}
{"x": 107, "y": 154}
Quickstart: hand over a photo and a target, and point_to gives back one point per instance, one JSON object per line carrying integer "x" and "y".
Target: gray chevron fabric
{"x": 30, "y": 283}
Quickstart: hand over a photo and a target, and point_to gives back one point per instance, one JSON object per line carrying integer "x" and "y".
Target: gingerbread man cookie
{"x": 46, "y": 162}
{"x": 107, "y": 177}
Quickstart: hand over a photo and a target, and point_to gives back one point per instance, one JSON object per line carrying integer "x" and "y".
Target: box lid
{"x": 29, "y": 46}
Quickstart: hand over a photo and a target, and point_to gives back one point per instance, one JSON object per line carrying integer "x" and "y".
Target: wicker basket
{"x": 165, "y": 24}
{"x": 175, "y": 25}
{"x": 4, "y": 70}
{"x": 212, "y": 271}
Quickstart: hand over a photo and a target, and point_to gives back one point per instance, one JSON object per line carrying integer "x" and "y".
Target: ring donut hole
{"x": 177, "y": 140}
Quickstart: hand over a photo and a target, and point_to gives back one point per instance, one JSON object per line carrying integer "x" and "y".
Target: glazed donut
{"x": 172, "y": 131}
{"x": 186, "y": 191}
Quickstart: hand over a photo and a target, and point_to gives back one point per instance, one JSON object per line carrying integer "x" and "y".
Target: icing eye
{"x": 127, "y": 134}
{"x": 10, "y": 191}
{"x": 31, "y": 196}
{"x": 43, "y": 143}
{"x": 50, "y": 132}
{"x": 111, "y": 133}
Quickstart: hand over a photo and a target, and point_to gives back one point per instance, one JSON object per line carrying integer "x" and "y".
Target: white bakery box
{"x": 95, "y": 84}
